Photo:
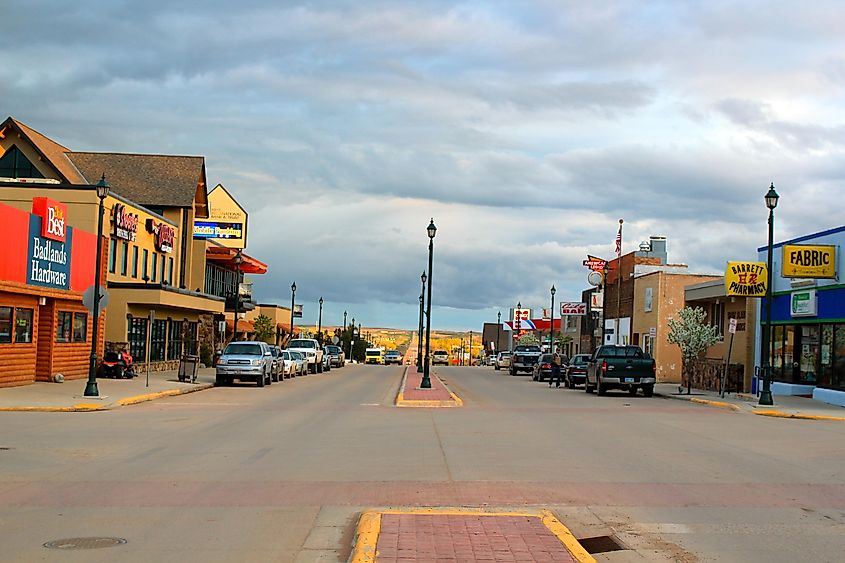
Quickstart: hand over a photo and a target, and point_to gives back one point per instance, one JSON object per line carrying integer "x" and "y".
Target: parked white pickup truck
{"x": 310, "y": 348}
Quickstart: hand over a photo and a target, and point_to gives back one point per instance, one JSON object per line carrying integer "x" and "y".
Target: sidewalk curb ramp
{"x": 367, "y": 531}
{"x": 401, "y": 401}
{"x": 97, "y": 407}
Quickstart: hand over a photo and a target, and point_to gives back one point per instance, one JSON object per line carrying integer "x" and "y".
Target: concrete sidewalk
{"x": 784, "y": 407}
{"x": 68, "y": 396}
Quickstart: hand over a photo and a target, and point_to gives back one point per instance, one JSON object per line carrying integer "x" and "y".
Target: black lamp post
{"x": 426, "y": 381}
{"x": 345, "y": 326}
{"x": 498, "y": 327}
{"x": 91, "y": 387}
{"x": 320, "y": 322}
{"x": 352, "y": 338}
{"x": 419, "y": 332}
{"x": 552, "y": 329}
{"x": 238, "y": 259}
{"x": 470, "y": 347}
{"x": 292, "y": 305}
{"x": 766, "y": 394}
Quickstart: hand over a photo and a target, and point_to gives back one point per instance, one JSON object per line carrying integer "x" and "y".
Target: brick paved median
{"x": 412, "y": 392}
{"x": 467, "y": 537}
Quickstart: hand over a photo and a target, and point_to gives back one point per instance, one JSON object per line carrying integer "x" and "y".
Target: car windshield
{"x": 242, "y": 349}
{"x": 332, "y": 349}
{"x": 285, "y": 355}
{"x": 393, "y": 353}
{"x": 295, "y": 355}
{"x": 580, "y": 360}
{"x": 527, "y": 349}
{"x": 505, "y": 354}
{"x": 373, "y": 353}
{"x": 441, "y": 354}
{"x": 302, "y": 344}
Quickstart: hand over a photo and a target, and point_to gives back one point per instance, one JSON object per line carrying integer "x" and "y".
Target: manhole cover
{"x": 84, "y": 543}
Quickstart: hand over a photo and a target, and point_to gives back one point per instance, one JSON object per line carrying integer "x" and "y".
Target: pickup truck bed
{"x": 620, "y": 367}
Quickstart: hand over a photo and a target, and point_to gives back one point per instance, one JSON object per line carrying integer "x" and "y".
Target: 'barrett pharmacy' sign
{"x": 747, "y": 279}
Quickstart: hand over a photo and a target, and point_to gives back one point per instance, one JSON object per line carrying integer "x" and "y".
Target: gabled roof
{"x": 52, "y": 152}
{"x": 151, "y": 179}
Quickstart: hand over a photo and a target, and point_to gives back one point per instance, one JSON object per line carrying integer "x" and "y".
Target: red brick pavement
{"x": 459, "y": 538}
{"x": 438, "y": 391}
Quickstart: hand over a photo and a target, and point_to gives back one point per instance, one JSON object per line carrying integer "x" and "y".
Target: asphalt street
{"x": 281, "y": 473}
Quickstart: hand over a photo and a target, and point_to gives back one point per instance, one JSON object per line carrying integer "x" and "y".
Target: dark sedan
{"x": 576, "y": 372}
{"x": 543, "y": 368}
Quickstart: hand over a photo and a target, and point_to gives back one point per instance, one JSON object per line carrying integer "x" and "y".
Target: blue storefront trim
{"x": 831, "y": 307}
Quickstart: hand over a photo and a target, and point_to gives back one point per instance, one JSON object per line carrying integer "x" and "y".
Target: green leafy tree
{"x": 690, "y": 332}
{"x": 528, "y": 339}
{"x": 264, "y": 329}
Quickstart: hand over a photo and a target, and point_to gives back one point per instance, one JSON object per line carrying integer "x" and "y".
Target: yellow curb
{"x": 369, "y": 526}
{"x": 402, "y": 402}
{"x": 159, "y": 394}
{"x": 719, "y": 404}
{"x": 780, "y": 414}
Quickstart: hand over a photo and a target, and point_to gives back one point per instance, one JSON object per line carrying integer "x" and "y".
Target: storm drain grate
{"x": 601, "y": 544}
{"x": 84, "y": 543}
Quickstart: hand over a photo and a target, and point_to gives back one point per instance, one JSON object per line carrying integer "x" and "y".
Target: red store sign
{"x": 164, "y": 235}
{"x": 53, "y": 218}
{"x": 125, "y": 223}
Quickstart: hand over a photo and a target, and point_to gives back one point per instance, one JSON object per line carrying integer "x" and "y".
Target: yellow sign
{"x": 809, "y": 261}
{"x": 747, "y": 279}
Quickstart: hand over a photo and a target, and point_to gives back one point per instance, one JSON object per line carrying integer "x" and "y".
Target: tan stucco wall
{"x": 81, "y": 203}
{"x": 277, "y": 314}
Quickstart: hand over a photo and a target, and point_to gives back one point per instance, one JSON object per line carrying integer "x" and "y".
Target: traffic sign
{"x": 88, "y": 299}
{"x": 732, "y": 326}
{"x": 595, "y": 278}
{"x": 595, "y": 264}
{"x": 335, "y": 339}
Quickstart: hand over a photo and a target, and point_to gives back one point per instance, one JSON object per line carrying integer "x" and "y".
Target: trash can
{"x": 188, "y": 365}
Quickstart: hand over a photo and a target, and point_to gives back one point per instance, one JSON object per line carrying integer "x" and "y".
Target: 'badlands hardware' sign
{"x": 164, "y": 235}
{"x": 809, "y": 261}
{"x": 573, "y": 308}
{"x": 48, "y": 250}
{"x": 125, "y": 223}
{"x": 747, "y": 279}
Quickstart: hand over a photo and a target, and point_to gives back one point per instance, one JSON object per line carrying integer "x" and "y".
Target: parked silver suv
{"x": 245, "y": 361}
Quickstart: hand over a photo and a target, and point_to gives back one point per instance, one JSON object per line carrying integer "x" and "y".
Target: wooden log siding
{"x": 71, "y": 359}
{"x": 17, "y": 361}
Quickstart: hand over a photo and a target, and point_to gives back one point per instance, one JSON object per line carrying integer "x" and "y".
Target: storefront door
{"x": 809, "y": 351}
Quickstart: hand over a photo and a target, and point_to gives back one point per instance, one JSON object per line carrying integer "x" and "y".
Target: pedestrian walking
{"x": 555, "y": 378}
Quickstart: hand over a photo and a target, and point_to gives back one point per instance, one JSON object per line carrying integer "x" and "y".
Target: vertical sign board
{"x": 803, "y": 303}
{"x": 746, "y": 279}
{"x": 49, "y": 245}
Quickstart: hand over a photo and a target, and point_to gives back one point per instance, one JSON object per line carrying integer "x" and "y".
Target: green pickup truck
{"x": 621, "y": 367}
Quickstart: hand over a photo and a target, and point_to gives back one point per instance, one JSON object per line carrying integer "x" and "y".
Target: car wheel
{"x": 260, "y": 379}
{"x": 219, "y": 381}
{"x": 648, "y": 390}
{"x": 632, "y": 391}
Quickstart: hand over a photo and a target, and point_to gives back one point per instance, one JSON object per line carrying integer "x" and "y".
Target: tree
{"x": 693, "y": 337}
{"x": 528, "y": 339}
{"x": 263, "y": 328}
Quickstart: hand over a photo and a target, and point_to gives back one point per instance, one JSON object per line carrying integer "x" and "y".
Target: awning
{"x": 243, "y": 325}
{"x": 533, "y": 324}
{"x": 225, "y": 257}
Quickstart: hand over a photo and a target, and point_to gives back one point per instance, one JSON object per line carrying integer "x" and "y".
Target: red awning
{"x": 243, "y": 326}
{"x": 539, "y": 324}
{"x": 225, "y": 257}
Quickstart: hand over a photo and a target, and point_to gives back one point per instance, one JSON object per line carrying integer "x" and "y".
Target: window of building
{"x": 191, "y": 337}
{"x": 134, "y": 261}
{"x": 836, "y": 369}
{"x": 5, "y": 324}
{"x": 13, "y": 164}
{"x": 174, "y": 340}
{"x": 137, "y": 338}
{"x": 80, "y": 327}
{"x": 112, "y": 255}
{"x": 124, "y": 260}
{"x": 23, "y": 325}
{"x": 64, "y": 327}
{"x": 717, "y": 318}
{"x": 170, "y": 270}
{"x": 571, "y": 323}
{"x": 146, "y": 276}
{"x": 155, "y": 266}
{"x": 158, "y": 338}
{"x": 161, "y": 277}
{"x": 220, "y": 281}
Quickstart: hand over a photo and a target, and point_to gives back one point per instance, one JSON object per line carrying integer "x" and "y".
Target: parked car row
{"x": 267, "y": 363}
{"x": 626, "y": 368}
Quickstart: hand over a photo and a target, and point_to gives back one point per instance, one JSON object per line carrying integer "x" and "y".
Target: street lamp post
{"x": 426, "y": 381}
{"x": 320, "y": 322}
{"x": 498, "y": 327}
{"x": 238, "y": 259}
{"x": 419, "y": 332}
{"x": 552, "y": 329}
{"x": 470, "y": 347}
{"x": 292, "y": 305}
{"x": 91, "y": 387}
{"x": 766, "y": 394}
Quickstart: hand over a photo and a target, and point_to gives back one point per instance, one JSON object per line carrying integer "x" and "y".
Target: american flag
{"x": 619, "y": 241}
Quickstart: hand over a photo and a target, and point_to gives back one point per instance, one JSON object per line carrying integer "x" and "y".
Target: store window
{"x": 836, "y": 355}
{"x": 137, "y": 338}
{"x": 717, "y": 318}
{"x": 80, "y": 327}
{"x": 191, "y": 337}
{"x": 161, "y": 277}
{"x": 5, "y": 325}
{"x": 13, "y": 164}
{"x": 23, "y": 326}
{"x": 170, "y": 270}
{"x": 155, "y": 266}
{"x": 64, "y": 327}
{"x": 158, "y": 338}
{"x": 124, "y": 260}
{"x": 174, "y": 340}
{"x": 134, "y": 261}
{"x": 112, "y": 255}
{"x": 145, "y": 276}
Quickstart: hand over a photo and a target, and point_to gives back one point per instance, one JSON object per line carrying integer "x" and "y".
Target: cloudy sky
{"x": 525, "y": 129}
